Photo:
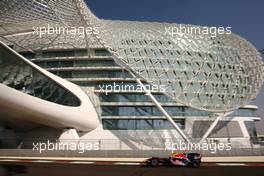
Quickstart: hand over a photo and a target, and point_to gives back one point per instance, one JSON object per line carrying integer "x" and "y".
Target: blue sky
{"x": 244, "y": 16}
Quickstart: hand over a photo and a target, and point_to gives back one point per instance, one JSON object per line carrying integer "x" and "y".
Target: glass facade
{"x": 244, "y": 113}
{"x": 91, "y": 74}
{"x": 129, "y": 105}
{"x": 64, "y": 53}
{"x": 102, "y": 52}
{"x": 142, "y": 124}
{"x": 76, "y": 63}
{"x": 132, "y": 97}
{"x": 101, "y": 74}
{"x": 20, "y": 76}
{"x": 251, "y": 128}
{"x": 151, "y": 111}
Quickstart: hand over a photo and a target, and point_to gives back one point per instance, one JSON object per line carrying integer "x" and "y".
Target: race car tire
{"x": 154, "y": 163}
{"x": 196, "y": 163}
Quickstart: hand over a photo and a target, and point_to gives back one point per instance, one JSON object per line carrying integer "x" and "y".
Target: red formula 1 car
{"x": 180, "y": 159}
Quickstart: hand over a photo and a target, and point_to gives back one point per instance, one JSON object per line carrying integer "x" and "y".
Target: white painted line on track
{"x": 7, "y": 160}
{"x": 126, "y": 163}
{"x": 42, "y": 161}
{"x": 81, "y": 162}
{"x": 231, "y": 164}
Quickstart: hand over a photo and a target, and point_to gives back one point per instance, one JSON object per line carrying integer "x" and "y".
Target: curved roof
{"x": 213, "y": 73}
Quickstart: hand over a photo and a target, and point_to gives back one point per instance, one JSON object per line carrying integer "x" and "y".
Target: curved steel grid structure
{"x": 216, "y": 74}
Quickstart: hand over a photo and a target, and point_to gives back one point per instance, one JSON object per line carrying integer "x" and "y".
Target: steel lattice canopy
{"x": 216, "y": 74}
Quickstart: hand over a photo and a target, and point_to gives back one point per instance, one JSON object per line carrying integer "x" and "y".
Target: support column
{"x": 169, "y": 118}
{"x": 213, "y": 125}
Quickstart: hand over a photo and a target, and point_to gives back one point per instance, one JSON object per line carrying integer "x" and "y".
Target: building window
{"x": 65, "y": 53}
{"x": 140, "y": 124}
{"x": 252, "y": 131}
{"x": 29, "y": 55}
{"x": 151, "y": 111}
{"x": 102, "y": 52}
{"x": 94, "y": 63}
{"x": 243, "y": 113}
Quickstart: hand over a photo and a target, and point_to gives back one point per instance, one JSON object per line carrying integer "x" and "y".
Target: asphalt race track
{"x": 48, "y": 169}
